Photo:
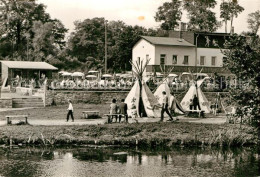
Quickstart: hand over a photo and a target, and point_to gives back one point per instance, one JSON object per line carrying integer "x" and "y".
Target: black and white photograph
{"x": 130, "y": 88}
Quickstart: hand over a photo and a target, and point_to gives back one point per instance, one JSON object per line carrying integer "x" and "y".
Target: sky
{"x": 131, "y": 12}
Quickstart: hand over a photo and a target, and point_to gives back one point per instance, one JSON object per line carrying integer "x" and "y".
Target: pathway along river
{"x": 113, "y": 161}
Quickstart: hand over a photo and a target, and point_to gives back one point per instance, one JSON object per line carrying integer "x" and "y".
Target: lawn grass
{"x": 57, "y": 112}
{"x": 136, "y": 134}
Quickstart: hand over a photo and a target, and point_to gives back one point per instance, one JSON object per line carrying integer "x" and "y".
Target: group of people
{"x": 120, "y": 109}
{"x": 194, "y": 103}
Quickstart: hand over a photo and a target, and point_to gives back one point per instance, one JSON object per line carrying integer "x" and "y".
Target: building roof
{"x": 28, "y": 65}
{"x": 212, "y": 33}
{"x": 167, "y": 41}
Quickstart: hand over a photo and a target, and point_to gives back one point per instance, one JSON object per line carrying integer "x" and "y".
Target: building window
{"x": 162, "y": 59}
{"x": 186, "y": 60}
{"x": 147, "y": 57}
{"x": 174, "y": 59}
{"x": 202, "y": 60}
{"x": 213, "y": 61}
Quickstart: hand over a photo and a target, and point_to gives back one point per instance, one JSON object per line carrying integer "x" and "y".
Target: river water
{"x": 114, "y": 161}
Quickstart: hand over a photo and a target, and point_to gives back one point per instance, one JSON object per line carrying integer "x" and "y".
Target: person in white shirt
{"x": 165, "y": 107}
{"x": 70, "y": 111}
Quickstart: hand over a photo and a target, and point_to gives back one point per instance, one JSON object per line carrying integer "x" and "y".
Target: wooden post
{"x": 7, "y": 119}
{"x": 44, "y": 93}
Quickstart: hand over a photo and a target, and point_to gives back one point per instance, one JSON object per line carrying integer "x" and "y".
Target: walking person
{"x": 196, "y": 103}
{"x": 165, "y": 107}
{"x": 70, "y": 111}
{"x": 173, "y": 106}
{"x": 123, "y": 110}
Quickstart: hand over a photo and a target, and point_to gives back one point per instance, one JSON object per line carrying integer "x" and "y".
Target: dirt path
{"x": 218, "y": 120}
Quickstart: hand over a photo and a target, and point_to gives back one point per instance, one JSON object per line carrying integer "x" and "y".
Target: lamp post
{"x": 196, "y": 53}
{"x": 105, "y": 46}
{"x": 196, "y": 58}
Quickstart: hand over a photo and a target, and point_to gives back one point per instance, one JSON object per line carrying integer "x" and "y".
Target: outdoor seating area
{"x": 120, "y": 81}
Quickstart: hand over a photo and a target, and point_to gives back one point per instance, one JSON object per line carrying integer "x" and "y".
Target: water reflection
{"x": 128, "y": 162}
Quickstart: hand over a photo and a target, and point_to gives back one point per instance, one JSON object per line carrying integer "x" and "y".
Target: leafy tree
{"x": 121, "y": 41}
{"x": 242, "y": 59}
{"x": 169, "y": 13}
{"x": 17, "y": 18}
{"x": 254, "y": 21}
{"x": 87, "y": 43}
{"x": 200, "y": 15}
{"x": 43, "y": 41}
{"x": 87, "y": 40}
{"x": 16, "y": 22}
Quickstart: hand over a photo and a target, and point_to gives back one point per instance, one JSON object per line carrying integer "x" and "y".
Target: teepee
{"x": 140, "y": 95}
{"x": 172, "y": 101}
{"x": 196, "y": 90}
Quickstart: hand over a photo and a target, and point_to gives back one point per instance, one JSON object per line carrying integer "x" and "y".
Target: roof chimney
{"x": 183, "y": 26}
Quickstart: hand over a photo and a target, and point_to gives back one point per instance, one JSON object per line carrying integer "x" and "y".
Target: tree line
{"x": 28, "y": 33}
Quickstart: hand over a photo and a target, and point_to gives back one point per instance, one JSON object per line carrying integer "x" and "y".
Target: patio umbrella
{"x": 159, "y": 74}
{"x": 91, "y": 76}
{"x": 172, "y": 75}
{"x": 92, "y": 71}
{"x": 79, "y": 74}
{"x": 186, "y": 76}
{"x": 186, "y": 73}
{"x": 61, "y": 72}
{"x": 126, "y": 75}
{"x": 66, "y": 74}
{"x": 107, "y": 75}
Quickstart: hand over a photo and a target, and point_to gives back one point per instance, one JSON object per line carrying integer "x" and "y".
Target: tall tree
{"x": 235, "y": 9}
{"x": 169, "y": 14}
{"x": 254, "y": 21}
{"x": 225, "y": 13}
{"x": 200, "y": 15}
{"x": 242, "y": 59}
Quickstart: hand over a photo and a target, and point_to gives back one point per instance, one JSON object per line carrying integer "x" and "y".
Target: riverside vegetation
{"x": 137, "y": 134}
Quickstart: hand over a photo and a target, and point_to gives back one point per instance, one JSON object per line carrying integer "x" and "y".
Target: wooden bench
{"x": 111, "y": 116}
{"x": 88, "y": 114}
{"x": 200, "y": 112}
{"x": 8, "y": 117}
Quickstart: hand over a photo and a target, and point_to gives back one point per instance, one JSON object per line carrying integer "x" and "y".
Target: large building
{"x": 184, "y": 50}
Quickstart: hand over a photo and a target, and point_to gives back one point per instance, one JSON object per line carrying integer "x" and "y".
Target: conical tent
{"x": 133, "y": 98}
{"x": 172, "y": 101}
{"x": 196, "y": 90}
{"x": 141, "y": 96}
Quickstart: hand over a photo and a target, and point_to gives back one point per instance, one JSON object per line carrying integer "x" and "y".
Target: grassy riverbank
{"x": 140, "y": 134}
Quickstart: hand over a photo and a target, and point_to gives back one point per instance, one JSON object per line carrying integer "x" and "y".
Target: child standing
{"x": 70, "y": 111}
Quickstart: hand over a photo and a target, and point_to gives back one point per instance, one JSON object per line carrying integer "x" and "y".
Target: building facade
{"x": 164, "y": 52}
{"x": 184, "y": 50}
